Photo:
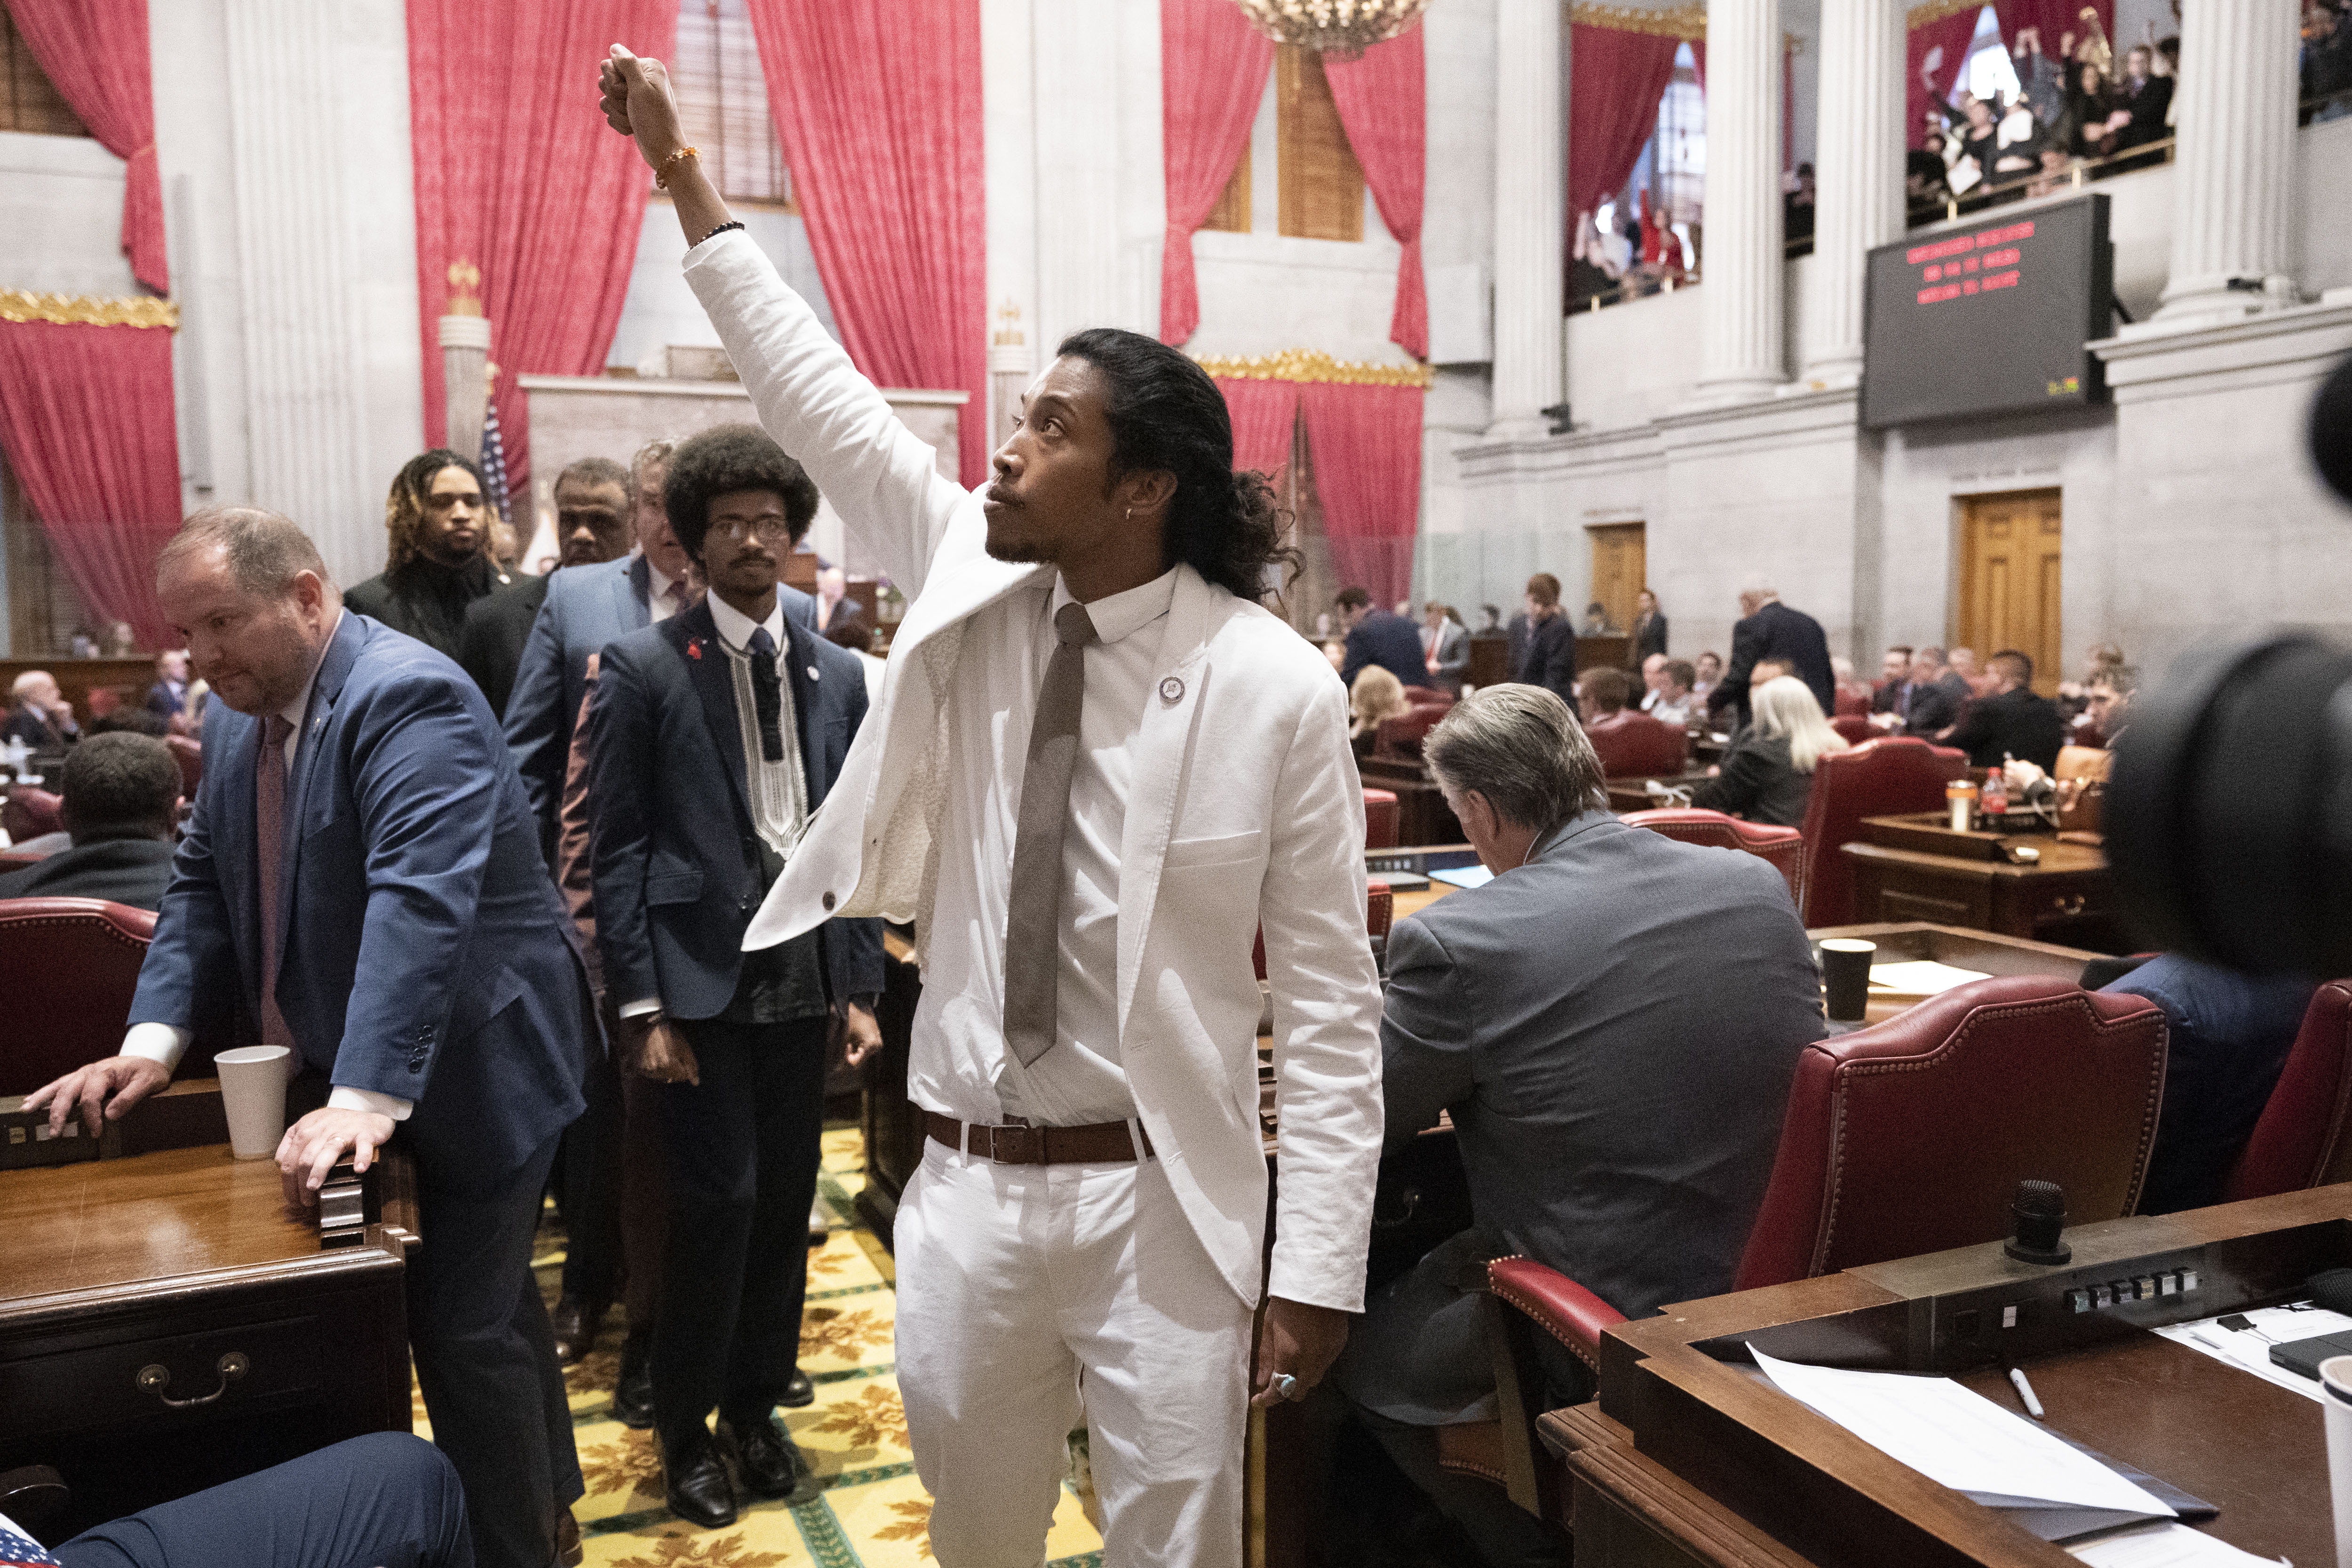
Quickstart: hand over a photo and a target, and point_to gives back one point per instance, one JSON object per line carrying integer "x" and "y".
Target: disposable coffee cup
{"x": 2335, "y": 1384}
{"x": 1845, "y": 976}
{"x": 253, "y": 1080}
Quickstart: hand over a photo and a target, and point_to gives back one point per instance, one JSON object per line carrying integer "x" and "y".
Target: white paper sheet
{"x": 1921, "y": 977}
{"x": 2250, "y": 1351}
{"x": 1958, "y": 1438}
{"x": 1464, "y": 876}
{"x": 2166, "y": 1546}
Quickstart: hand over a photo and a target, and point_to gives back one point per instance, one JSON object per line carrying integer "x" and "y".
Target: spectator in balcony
{"x": 1797, "y": 207}
{"x": 2324, "y": 68}
{"x": 2142, "y": 102}
{"x": 2042, "y": 79}
{"x": 2018, "y": 140}
{"x": 1980, "y": 143}
{"x": 1924, "y": 185}
{"x": 2091, "y": 105}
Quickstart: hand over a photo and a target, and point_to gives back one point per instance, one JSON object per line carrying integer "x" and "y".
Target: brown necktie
{"x": 268, "y": 822}
{"x": 1033, "y": 927}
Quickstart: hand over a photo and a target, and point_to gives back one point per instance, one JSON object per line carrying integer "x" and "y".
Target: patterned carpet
{"x": 872, "y": 1512}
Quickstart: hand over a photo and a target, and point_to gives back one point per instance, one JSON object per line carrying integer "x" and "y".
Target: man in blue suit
{"x": 361, "y": 872}
{"x": 713, "y": 739}
{"x": 1381, "y": 637}
{"x": 587, "y": 607}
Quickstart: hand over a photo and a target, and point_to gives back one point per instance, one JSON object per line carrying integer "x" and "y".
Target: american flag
{"x": 19, "y": 1551}
{"x": 494, "y": 459}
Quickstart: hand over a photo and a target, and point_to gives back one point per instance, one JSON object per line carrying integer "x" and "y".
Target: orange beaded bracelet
{"x": 661, "y": 175}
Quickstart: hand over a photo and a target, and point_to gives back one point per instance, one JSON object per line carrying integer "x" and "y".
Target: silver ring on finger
{"x": 1286, "y": 1386}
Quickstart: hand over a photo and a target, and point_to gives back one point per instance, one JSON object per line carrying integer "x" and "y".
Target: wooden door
{"x": 2010, "y": 580}
{"x": 1620, "y": 571}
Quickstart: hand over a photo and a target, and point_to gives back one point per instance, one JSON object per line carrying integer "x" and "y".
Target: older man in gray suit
{"x": 1617, "y": 1120}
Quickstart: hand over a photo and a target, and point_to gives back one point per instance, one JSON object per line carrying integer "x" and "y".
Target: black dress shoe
{"x": 632, "y": 1392}
{"x": 569, "y": 1553}
{"x": 694, "y": 1480}
{"x": 576, "y": 1323}
{"x": 770, "y": 1464}
{"x": 799, "y": 1391}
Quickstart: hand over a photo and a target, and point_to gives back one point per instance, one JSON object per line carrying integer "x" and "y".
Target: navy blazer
{"x": 1776, "y": 631}
{"x": 1388, "y": 639}
{"x": 425, "y": 954}
{"x": 671, "y": 842}
{"x": 586, "y": 607}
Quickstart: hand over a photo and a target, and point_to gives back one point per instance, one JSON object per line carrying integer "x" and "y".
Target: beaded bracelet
{"x": 661, "y": 175}
{"x": 715, "y": 233}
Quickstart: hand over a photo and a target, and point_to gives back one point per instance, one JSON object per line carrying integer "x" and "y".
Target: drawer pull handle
{"x": 155, "y": 1377}
{"x": 2069, "y": 904}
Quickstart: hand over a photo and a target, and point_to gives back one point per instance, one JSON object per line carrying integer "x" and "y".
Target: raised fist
{"x": 636, "y": 100}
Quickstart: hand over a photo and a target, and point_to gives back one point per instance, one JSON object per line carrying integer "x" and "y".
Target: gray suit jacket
{"x": 1614, "y": 1027}
{"x": 1453, "y": 656}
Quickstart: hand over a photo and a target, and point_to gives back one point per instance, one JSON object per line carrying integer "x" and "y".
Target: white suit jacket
{"x": 1246, "y": 813}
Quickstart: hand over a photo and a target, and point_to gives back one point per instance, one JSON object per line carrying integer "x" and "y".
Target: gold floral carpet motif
{"x": 871, "y": 1513}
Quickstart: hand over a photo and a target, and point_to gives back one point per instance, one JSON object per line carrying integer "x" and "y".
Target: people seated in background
{"x": 2231, "y": 1034}
{"x": 1615, "y": 1121}
{"x": 1767, "y": 774}
{"x": 168, "y": 697}
{"x": 121, "y": 801}
{"x": 1596, "y": 620}
{"x": 438, "y": 560}
{"x": 38, "y": 713}
{"x": 1603, "y": 694}
{"x": 1676, "y": 702}
{"x": 1445, "y": 647}
{"x": 1853, "y": 693}
{"x": 1549, "y": 656}
{"x": 1708, "y": 668}
{"x": 1490, "y": 620}
{"x": 2107, "y": 706}
{"x": 1376, "y": 697}
{"x": 1937, "y": 694}
{"x": 1653, "y": 676}
{"x": 1379, "y": 636}
{"x": 126, "y": 720}
{"x": 2014, "y": 721}
{"x": 2075, "y": 695}
{"x": 1979, "y": 681}
{"x": 1890, "y": 700}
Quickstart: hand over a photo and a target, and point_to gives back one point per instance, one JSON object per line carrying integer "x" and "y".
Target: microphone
{"x": 2038, "y": 1213}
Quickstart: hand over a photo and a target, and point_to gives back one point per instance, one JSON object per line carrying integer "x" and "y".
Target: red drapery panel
{"x": 94, "y": 52}
{"x": 883, "y": 137}
{"x": 1213, "y": 71}
{"x": 1933, "y": 60}
{"x": 85, "y": 421}
{"x": 2055, "y": 18}
{"x": 1265, "y": 414}
{"x": 514, "y": 180}
{"x": 1615, "y": 79}
{"x": 1365, "y": 442}
{"x": 1382, "y": 99}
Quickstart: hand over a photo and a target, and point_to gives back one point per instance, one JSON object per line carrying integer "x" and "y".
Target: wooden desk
{"x": 179, "y": 1259}
{"x": 1686, "y": 1459}
{"x": 1633, "y": 793}
{"x": 2067, "y": 898}
{"x": 1988, "y": 953}
{"x": 1422, "y": 816}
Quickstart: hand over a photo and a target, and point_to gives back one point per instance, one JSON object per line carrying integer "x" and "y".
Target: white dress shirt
{"x": 659, "y": 605}
{"x": 165, "y": 1043}
{"x": 959, "y": 1065}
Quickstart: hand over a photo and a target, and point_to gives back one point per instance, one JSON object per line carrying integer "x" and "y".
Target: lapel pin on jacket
{"x": 694, "y": 647}
{"x": 1171, "y": 691}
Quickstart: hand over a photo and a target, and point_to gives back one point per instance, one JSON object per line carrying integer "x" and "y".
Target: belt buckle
{"x": 1017, "y": 1145}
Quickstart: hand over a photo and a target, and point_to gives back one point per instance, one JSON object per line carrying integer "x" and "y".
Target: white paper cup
{"x": 253, "y": 1080}
{"x": 2336, "y": 1382}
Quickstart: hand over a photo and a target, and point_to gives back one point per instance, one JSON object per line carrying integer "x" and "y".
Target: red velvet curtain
{"x": 86, "y": 422}
{"x": 513, "y": 178}
{"x": 1213, "y": 71}
{"x": 1937, "y": 51}
{"x": 1264, "y": 413}
{"x": 1382, "y": 99}
{"x": 2055, "y": 18}
{"x": 94, "y": 52}
{"x": 1615, "y": 79}
{"x": 881, "y": 129}
{"x": 1365, "y": 442}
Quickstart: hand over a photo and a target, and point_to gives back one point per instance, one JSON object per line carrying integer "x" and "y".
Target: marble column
{"x": 1530, "y": 202}
{"x": 1858, "y": 165}
{"x": 2233, "y": 177}
{"x": 1008, "y": 60}
{"x": 1741, "y": 268}
{"x": 466, "y": 389}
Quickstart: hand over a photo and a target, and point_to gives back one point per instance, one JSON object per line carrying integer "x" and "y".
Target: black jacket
{"x": 1759, "y": 783}
{"x": 425, "y": 599}
{"x": 490, "y": 643}
{"x": 1550, "y": 657}
{"x": 133, "y": 871}
{"x": 2012, "y": 724}
{"x": 1934, "y": 706}
{"x": 1777, "y": 631}
{"x": 1648, "y": 637}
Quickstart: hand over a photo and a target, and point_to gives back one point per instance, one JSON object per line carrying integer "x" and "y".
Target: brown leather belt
{"x": 1102, "y": 1142}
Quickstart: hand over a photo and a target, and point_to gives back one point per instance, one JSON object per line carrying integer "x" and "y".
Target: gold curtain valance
{"x": 1313, "y": 365}
{"x": 1937, "y": 10}
{"x": 1686, "y": 22}
{"x": 79, "y": 311}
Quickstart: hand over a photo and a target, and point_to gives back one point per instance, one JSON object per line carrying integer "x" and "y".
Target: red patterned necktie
{"x": 268, "y": 821}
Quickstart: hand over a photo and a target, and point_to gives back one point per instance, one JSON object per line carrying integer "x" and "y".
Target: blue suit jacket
{"x": 1388, "y": 639}
{"x": 586, "y": 607}
{"x": 672, "y": 846}
{"x": 425, "y": 954}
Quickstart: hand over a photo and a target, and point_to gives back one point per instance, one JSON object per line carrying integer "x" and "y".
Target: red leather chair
{"x": 1850, "y": 704}
{"x": 1429, "y": 697}
{"x": 1381, "y": 819}
{"x": 72, "y": 965}
{"x": 1878, "y": 778}
{"x": 1639, "y": 745}
{"x": 28, "y": 812}
{"x": 189, "y": 753}
{"x": 1783, "y": 846}
{"x": 1854, "y": 727}
{"x": 1402, "y": 737}
{"x": 1907, "y": 1137}
{"x": 13, "y": 860}
{"x": 2300, "y": 1140}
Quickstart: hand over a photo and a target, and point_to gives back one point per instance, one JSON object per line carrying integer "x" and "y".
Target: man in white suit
{"x": 1097, "y": 768}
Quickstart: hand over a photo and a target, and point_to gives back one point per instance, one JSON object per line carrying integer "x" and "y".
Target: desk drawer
{"x": 282, "y": 1362}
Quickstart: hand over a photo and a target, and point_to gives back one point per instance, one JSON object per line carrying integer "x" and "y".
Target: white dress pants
{"x": 1015, "y": 1281}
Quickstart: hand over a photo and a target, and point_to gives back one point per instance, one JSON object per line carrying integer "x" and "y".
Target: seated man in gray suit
{"x": 1616, "y": 1121}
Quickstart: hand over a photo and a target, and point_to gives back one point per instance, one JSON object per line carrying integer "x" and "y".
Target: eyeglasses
{"x": 770, "y": 530}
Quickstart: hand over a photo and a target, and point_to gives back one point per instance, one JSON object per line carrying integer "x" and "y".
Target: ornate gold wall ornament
{"x": 1340, "y": 28}
{"x": 1937, "y": 10}
{"x": 1686, "y": 22}
{"x": 1314, "y": 364}
{"x": 79, "y": 311}
{"x": 465, "y": 289}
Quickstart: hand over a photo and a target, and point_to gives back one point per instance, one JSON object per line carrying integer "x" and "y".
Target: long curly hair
{"x": 403, "y": 508}
{"x": 1165, "y": 412}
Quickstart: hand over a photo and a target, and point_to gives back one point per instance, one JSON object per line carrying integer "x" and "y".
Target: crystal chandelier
{"x": 1340, "y": 28}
